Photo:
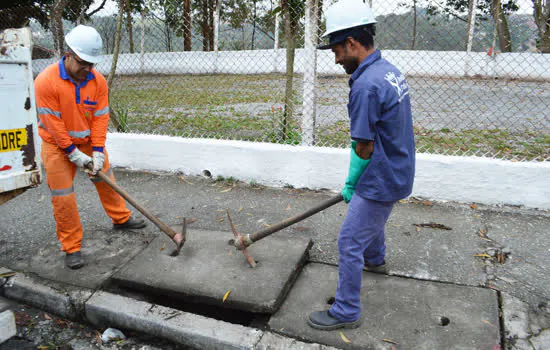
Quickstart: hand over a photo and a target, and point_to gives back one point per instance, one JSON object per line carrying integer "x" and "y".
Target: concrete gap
{"x": 194, "y": 306}
{"x": 410, "y": 277}
{"x": 501, "y": 320}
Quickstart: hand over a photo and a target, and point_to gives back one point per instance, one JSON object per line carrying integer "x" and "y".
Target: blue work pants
{"x": 361, "y": 241}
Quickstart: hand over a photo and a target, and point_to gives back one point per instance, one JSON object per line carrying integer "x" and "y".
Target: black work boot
{"x": 74, "y": 260}
{"x": 324, "y": 321}
{"x": 382, "y": 268}
{"x": 132, "y": 223}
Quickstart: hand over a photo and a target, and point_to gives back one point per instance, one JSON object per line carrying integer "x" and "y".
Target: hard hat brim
{"x": 335, "y": 38}
{"x": 89, "y": 58}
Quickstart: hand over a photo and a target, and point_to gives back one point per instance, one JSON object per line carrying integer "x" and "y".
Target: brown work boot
{"x": 382, "y": 268}
{"x": 74, "y": 260}
{"x": 131, "y": 224}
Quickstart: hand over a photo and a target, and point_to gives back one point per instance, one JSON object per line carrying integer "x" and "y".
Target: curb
{"x": 104, "y": 309}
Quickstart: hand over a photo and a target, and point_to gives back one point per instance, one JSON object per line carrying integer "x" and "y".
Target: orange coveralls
{"x": 73, "y": 115}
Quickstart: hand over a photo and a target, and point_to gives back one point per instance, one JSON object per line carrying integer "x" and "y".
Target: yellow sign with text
{"x": 12, "y": 140}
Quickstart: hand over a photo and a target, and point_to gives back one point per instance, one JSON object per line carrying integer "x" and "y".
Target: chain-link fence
{"x": 248, "y": 69}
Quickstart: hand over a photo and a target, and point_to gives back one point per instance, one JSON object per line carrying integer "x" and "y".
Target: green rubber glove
{"x": 356, "y": 168}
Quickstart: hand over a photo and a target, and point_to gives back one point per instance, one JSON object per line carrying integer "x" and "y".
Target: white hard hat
{"x": 347, "y": 14}
{"x": 86, "y": 43}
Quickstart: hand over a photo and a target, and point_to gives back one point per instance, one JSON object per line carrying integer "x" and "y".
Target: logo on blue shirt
{"x": 399, "y": 84}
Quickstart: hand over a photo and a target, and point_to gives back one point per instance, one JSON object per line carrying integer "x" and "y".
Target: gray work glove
{"x": 98, "y": 160}
{"x": 79, "y": 158}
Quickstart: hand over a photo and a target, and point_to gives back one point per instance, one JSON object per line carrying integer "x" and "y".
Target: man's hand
{"x": 79, "y": 158}
{"x": 98, "y": 160}
{"x": 347, "y": 192}
{"x": 357, "y": 166}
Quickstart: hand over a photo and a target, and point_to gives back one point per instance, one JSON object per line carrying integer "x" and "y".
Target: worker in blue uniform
{"x": 382, "y": 162}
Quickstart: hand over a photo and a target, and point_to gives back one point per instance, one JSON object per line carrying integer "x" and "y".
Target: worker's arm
{"x": 49, "y": 113}
{"x": 364, "y": 149}
{"x": 100, "y": 124}
{"x": 100, "y": 118}
{"x": 361, "y": 153}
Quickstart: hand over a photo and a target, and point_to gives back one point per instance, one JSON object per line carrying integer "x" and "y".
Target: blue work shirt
{"x": 380, "y": 110}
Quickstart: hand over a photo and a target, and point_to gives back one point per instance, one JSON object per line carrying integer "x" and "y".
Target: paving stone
{"x": 412, "y": 313}
{"x": 208, "y": 267}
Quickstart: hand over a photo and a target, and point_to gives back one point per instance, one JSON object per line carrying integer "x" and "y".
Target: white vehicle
{"x": 19, "y": 140}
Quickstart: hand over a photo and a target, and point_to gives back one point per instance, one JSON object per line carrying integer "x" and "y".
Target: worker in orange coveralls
{"x": 73, "y": 108}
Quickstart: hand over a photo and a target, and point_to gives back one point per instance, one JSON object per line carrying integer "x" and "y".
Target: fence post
{"x": 276, "y": 43}
{"x": 471, "y": 29}
{"x": 216, "y": 33}
{"x": 142, "y": 46}
{"x": 309, "y": 109}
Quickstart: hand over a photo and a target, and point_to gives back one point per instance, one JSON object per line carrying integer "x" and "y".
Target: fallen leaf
{"x": 346, "y": 340}
{"x": 227, "y": 190}
{"x": 163, "y": 247}
{"x": 220, "y": 219}
{"x": 483, "y": 255}
{"x": 428, "y": 203}
{"x": 482, "y": 232}
{"x": 43, "y": 347}
{"x": 417, "y": 228}
{"x": 403, "y": 201}
{"x": 47, "y": 317}
{"x": 487, "y": 322}
{"x": 434, "y": 225}
{"x": 182, "y": 178}
{"x": 389, "y": 341}
{"x": 473, "y": 206}
{"x": 7, "y": 274}
{"x": 267, "y": 225}
{"x": 225, "y": 296}
{"x": 241, "y": 209}
{"x": 230, "y": 253}
{"x": 287, "y": 208}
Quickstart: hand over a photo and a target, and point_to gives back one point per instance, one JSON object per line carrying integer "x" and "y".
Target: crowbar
{"x": 241, "y": 242}
{"x": 178, "y": 238}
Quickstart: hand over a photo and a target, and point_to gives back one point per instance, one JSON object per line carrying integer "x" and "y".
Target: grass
{"x": 249, "y": 108}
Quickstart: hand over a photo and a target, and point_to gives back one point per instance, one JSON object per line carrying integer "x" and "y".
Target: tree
{"x": 497, "y": 9}
{"x": 17, "y": 13}
{"x": 542, "y": 19}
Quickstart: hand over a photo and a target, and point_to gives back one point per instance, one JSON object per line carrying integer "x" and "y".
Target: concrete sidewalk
{"x": 495, "y": 260}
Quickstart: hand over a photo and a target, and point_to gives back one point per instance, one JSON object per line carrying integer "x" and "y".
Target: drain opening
{"x": 195, "y": 306}
{"x": 444, "y": 321}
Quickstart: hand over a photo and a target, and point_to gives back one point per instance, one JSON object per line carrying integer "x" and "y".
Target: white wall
{"x": 463, "y": 179}
{"x": 412, "y": 63}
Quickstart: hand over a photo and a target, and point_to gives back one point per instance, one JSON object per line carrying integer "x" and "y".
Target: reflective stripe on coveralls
{"x": 361, "y": 240}
{"x": 59, "y": 175}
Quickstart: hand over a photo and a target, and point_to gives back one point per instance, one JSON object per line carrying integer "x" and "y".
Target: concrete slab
{"x": 526, "y": 240}
{"x": 111, "y": 310}
{"x": 7, "y": 325}
{"x": 62, "y": 299}
{"x": 208, "y": 267}
{"x": 414, "y": 314}
{"x": 104, "y": 252}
